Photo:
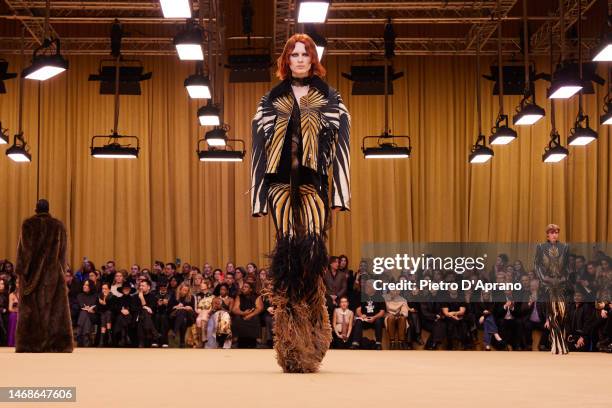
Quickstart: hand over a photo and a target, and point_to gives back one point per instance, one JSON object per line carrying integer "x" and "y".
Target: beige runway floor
{"x": 250, "y": 378}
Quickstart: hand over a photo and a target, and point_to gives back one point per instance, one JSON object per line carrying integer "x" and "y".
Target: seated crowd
{"x": 181, "y": 305}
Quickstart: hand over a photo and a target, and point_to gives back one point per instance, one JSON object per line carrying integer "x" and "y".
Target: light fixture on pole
{"x": 528, "y": 112}
{"x": 188, "y": 43}
{"x": 114, "y": 149}
{"x": 19, "y": 151}
{"x": 554, "y": 152}
{"x": 216, "y": 137}
{"x": 175, "y": 8}
{"x": 209, "y": 115}
{"x": 198, "y": 85}
{"x": 581, "y": 135}
{"x": 220, "y": 152}
{"x": 386, "y": 147}
{"x": 501, "y": 133}
{"x": 46, "y": 63}
{"x": 45, "y": 66}
{"x": 313, "y": 11}
{"x": 564, "y": 83}
{"x": 480, "y": 153}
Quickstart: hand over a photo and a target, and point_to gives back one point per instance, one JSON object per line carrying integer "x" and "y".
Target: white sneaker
{"x": 154, "y": 345}
{"x": 164, "y": 346}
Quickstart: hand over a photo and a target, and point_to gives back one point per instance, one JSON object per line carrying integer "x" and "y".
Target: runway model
{"x": 44, "y": 324}
{"x": 300, "y": 130}
{"x": 551, "y": 262}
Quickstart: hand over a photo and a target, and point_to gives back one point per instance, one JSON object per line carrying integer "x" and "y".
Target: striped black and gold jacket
{"x": 325, "y": 124}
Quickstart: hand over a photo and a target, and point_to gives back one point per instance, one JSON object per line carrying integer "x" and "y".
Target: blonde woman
{"x": 182, "y": 314}
{"x": 204, "y": 309}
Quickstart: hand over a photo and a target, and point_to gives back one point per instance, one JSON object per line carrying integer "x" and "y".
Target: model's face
{"x": 299, "y": 61}
{"x": 552, "y": 236}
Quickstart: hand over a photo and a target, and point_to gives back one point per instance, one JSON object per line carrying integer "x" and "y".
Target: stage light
{"x": 480, "y": 152}
{"x": 220, "y": 154}
{"x": 604, "y": 51}
{"x": 250, "y": 67}
{"x": 386, "y": 151}
{"x": 4, "y": 75}
{"x": 45, "y": 66}
{"x": 198, "y": 86}
{"x": 528, "y": 114}
{"x": 313, "y": 11}
{"x": 386, "y": 147}
{"x": 370, "y": 79}
{"x": 554, "y": 152}
{"x": 216, "y": 137}
{"x": 581, "y": 135}
{"x": 188, "y": 43}
{"x": 502, "y": 133}
{"x": 18, "y": 152}
{"x": 4, "y": 137}
{"x": 209, "y": 115}
{"x": 130, "y": 77}
{"x": 175, "y": 8}
{"x": 114, "y": 149}
{"x": 564, "y": 87}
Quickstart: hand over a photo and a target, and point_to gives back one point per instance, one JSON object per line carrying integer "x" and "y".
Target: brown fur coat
{"x": 44, "y": 324}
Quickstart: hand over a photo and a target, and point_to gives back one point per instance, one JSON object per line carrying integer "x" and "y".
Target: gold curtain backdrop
{"x": 168, "y": 205}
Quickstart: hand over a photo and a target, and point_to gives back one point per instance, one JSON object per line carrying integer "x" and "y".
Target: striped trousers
{"x": 302, "y": 332}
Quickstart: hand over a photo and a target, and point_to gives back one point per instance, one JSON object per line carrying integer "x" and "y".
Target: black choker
{"x": 301, "y": 81}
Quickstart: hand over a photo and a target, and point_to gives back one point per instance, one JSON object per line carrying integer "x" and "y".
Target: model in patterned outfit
{"x": 300, "y": 130}
{"x": 551, "y": 262}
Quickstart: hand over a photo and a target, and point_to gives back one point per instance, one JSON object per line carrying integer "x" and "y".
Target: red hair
{"x": 282, "y": 63}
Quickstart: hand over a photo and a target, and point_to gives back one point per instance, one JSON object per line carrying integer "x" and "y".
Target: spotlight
{"x": 581, "y": 135}
{"x": 554, "y": 152}
{"x": 216, "y": 137}
{"x": 198, "y": 86}
{"x": 502, "y": 134}
{"x": 370, "y": 79}
{"x": 209, "y": 115}
{"x": 480, "y": 152}
{"x": 175, "y": 8}
{"x": 527, "y": 113}
{"x": 313, "y": 11}
{"x": 386, "y": 148}
{"x": 46, "y": 66}
{"x": 18, "y": 152}
{"x": 114, "y": 149}
{"x": 4, "y": 74}
{"x": 220, "y": 154}
{"x": 252, "y": 67}
{"x": 188, "y": 43}
{"x": 564, "y": 84}
{"x": 131, "y": 74}
{"x": 604, "y": 51}
{"x": 4, "y": 138}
